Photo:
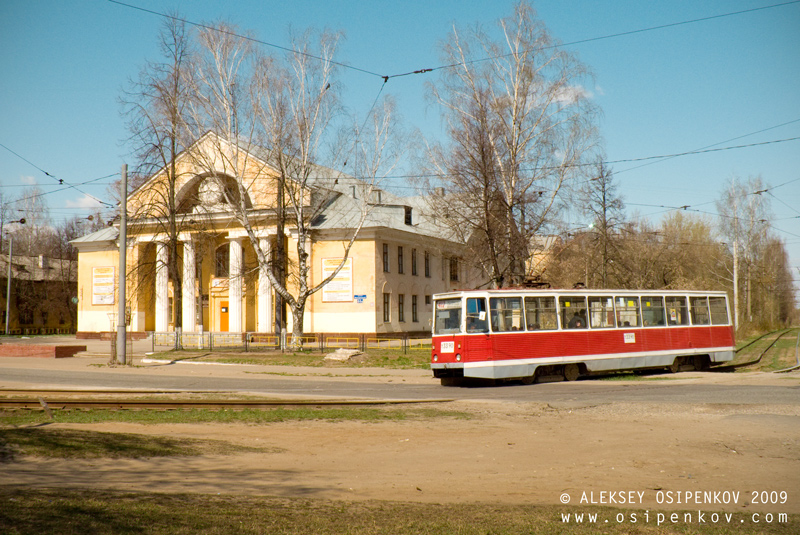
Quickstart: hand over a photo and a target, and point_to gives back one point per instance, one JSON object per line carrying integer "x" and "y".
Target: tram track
{"x": 61, "y": 399}
{"x": 732, "y": 367}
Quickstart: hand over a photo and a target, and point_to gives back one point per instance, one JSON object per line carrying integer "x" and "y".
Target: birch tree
{"x": 156, "y": 105}
{"x": 744, "y": 221}
{"x": 520, "y": 124}
{"x": 278, "y": 115}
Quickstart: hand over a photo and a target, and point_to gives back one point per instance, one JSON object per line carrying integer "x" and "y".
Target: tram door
{"x": 478, "y": 345}
{"x": 223, "y": 316}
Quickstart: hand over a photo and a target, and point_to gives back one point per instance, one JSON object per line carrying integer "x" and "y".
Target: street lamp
{"x": 10, "y": 257}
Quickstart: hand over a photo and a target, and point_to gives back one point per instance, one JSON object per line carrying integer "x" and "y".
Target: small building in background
{"x": 42, "y": 295}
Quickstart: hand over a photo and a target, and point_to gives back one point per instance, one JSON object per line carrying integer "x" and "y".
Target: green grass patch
{"x": 81, "y": 444}
{"x": 66, "y": 512}
{"x": 373, "y": 358}
{"x": 245, "y": 416}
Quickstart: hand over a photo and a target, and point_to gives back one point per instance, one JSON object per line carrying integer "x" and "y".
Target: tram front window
{"x": 448, "y": 316}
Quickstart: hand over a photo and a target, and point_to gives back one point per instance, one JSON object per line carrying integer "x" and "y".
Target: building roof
{"x": 108, "y": 234}
{"x": 343, "y": 200}
{"x": 39, "y": 268}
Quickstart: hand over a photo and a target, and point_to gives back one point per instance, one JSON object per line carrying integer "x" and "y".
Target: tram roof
{"x": 576, "y": 291}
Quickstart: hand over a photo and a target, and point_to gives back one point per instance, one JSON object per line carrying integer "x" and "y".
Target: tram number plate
{"x": 448, "y": 347}
{"x": 630, "y": 338}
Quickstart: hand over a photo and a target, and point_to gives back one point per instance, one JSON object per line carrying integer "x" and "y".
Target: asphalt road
{"x": 680, "y": 389}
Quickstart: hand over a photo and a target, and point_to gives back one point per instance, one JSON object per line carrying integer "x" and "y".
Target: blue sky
{"x": 665, "y": 91}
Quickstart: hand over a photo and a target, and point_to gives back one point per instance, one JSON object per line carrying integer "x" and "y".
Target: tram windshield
{"x": 447, "y": 319}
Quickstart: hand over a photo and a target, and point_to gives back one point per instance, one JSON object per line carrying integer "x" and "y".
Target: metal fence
{"x": 250, "y": 341}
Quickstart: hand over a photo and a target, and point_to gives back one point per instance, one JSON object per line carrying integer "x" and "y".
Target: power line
{"x": 249, "y": 38}
{"x": 713, "y": 145}
{"x": 603, "y": 37}
{"x": 386, "y": 78}
{"x": 61, "y": 182}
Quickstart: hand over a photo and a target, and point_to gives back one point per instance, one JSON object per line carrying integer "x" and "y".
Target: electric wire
{"x": 248, "y": 38}
{"x": 600, "y": 38}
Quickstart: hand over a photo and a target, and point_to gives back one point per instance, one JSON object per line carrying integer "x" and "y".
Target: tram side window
{"x": 573, "y": 312}
{"x": 699, "y": 308}
{"x": 477, "y": 320}
{"x": 677, "y": 313}
{"x": 653, "y": 311}
{"x": 448, "y": 316}
{"x": 540, "y": 313}
{"x": 506, "y": 314}
{"x": 719, "y": 310}
{"x": 601, "y": 312}
{"x": 627, "y": 311}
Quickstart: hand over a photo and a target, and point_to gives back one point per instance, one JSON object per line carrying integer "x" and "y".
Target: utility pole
{"x": 123, "y": 246}
{"x": 8, "y": 287}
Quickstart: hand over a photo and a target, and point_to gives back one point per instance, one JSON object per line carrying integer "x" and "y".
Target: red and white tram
{"x": 525, "y": 334}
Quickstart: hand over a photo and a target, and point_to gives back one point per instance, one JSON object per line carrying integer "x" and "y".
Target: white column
{"x": 264, "y": 303}
{"x": 162, "y": 288}
{"x": 189, "y": 296}
{"x": 235, "y": 286}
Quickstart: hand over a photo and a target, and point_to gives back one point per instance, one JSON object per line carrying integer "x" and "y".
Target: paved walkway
{"x": 98, "y": 354}
{"x": 94, "y": 348}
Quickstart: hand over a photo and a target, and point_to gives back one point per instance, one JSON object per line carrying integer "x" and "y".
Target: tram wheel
{"x": 701, "y": 363}
{"x": 528, "y": 380}
{"x": 675, "y": 367}
{"x": 571, "y": 372}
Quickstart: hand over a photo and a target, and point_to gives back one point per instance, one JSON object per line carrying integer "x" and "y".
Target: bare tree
{"x": 744, "y": 220}
{"x": 601, "y": 201}
{"x": 275, "y": 120}
{"x": 156, "y": 106}
{"x": 773, "y": 293}
{"x": 37, "y": 234}
{"x": 519, "y": 123}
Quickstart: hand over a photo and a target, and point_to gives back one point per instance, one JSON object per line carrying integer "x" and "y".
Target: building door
{"x": 223, "y": 316}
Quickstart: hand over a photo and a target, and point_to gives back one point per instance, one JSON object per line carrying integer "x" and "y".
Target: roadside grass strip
{"x": 36, "y": 511}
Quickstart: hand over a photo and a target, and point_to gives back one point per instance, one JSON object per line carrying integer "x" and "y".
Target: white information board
{"x": 103, "y": 285}
{"x": 340, "y": 288}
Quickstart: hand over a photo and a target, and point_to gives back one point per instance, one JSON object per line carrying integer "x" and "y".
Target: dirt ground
{"x": 623, "y": 454}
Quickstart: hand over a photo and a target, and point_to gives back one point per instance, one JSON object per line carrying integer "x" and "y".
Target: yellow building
{"x": 397, "y": 262}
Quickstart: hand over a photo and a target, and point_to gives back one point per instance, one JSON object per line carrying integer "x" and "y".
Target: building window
{"x": 400, "y": 259}
{"x": 414, "y": 262}
{"x": 427, "y": 264}
{"x": 454, "y": 269}
{"x": 428, "y": 300}
{"x": 387, "y": 316}
{"x": 223, "y": 261}
{"x": 408, "y": 218}
{"x": 386, "y": 258}
{"x": 414, "y": 316}
{"x": 401, "y": 312}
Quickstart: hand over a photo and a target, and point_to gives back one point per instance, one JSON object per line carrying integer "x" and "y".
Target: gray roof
{"x": 39, "y": 268}
{"x": 104, "y": 235}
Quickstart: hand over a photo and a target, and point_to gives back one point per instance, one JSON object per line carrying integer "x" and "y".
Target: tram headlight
{"x": 458, "y": 357}
{"x": 436, "y": 358}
